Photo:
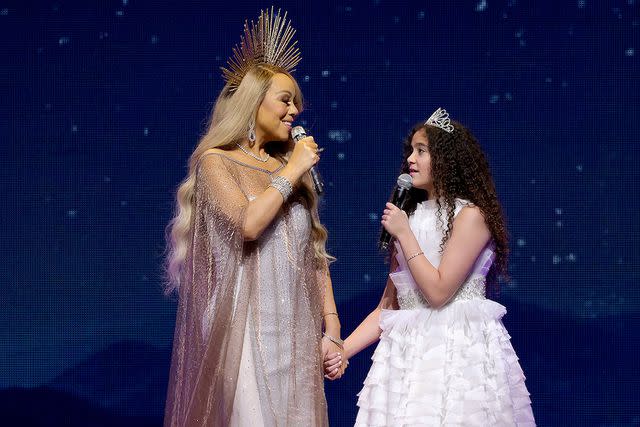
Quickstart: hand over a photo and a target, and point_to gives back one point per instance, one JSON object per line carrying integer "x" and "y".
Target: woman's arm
{"x": 469, "y": 236}
{"x": 261, "y": 211}
{"x": 367, "y": 332}
{"x": 331, "y": 333}
{"x": 330, "y": 312}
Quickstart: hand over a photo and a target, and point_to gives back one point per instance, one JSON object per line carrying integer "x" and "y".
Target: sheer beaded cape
{"x": 272, "y": 288}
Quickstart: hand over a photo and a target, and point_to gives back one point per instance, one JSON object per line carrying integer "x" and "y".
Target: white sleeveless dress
{"x": 452, "y": 366}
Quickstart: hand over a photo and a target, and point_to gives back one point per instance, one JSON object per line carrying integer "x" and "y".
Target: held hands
{"x": 334, "y": 365}
{"x": 395, "y": 220}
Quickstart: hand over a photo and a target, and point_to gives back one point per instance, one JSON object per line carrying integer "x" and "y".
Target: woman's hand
{"x": 395, "y": 220}
{"x": 333, "y": 362}
{"x": 304, "y": 156}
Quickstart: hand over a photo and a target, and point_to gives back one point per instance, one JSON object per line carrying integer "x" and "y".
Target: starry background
{"x": 102, "y": 103}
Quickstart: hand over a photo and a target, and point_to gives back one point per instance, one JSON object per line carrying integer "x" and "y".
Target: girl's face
{"x": 277, "y": 111}
{"x": 420, "y": 162}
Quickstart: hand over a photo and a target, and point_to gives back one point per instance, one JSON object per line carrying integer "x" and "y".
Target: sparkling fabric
{"x": 271, "y": 289}
{"x": 412, "y": 298}
{"x": 450, "y": 366}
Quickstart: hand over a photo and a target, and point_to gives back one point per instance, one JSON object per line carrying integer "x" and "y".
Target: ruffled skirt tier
{"x": 449, "y": 367}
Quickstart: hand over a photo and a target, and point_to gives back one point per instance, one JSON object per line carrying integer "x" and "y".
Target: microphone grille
{"x": 405, "y": 181}
{"x": 298, "y": 132}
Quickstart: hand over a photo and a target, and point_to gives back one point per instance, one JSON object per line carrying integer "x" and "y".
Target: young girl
{"x": 444, "y": 356}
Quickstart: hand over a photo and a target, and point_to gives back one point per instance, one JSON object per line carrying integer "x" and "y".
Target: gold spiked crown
{"x": 268, "y": 42}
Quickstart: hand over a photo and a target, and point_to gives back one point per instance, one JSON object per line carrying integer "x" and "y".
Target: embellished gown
{"x": 452, "y": 366}
{"x": 248, "y": 328}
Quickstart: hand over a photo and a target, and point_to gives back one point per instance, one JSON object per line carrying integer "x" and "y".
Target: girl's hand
{"x": 395, "y": 220}
{"x": 334, "y": 366}
{"x": 333, "y": 363}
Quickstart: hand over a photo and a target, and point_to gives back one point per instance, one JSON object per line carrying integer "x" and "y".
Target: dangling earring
{"x": 252, "y": 131}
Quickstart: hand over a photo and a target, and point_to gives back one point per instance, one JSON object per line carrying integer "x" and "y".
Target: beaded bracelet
{"x": 415, "y": 255}
{"x": 283, "y": 185}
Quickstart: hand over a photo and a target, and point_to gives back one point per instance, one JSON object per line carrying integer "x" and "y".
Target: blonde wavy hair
{"x": 228, "y": 125}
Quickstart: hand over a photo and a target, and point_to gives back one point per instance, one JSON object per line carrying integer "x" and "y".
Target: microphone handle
{"x": 385, "y": 239}
{"x": 317, "y": 181}
{"x": 318, "y": 185}
{"x": 399, "y": 198}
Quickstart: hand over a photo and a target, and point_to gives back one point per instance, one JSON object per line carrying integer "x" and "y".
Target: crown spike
{"x": 270, "y": 41}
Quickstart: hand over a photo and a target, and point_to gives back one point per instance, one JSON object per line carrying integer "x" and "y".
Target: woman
{"x": 444, "y": 356}
{"x": 247, "y": 255}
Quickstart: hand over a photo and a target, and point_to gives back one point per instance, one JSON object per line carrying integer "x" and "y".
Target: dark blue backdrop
{"x": 102, "y": 103}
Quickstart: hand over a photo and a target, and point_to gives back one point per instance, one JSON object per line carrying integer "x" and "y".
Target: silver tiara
{"x": 440, "y": 119}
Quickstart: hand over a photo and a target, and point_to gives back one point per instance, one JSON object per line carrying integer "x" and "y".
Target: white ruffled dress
{"x": 452, "y": 366}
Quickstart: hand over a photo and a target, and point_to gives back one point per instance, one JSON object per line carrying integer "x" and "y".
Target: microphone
{"x": 400, "y": 196}
{"x": 297, "y": 133}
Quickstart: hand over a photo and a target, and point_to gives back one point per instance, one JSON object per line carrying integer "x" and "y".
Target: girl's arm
{"x": 469, "y": 236}
{"x": 369, "y": 330}
{"x": 366, "y": 333}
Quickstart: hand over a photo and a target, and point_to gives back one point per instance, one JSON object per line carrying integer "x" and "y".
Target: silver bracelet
{"x": 283, "y": 185}
{"x": 336, "y": 341}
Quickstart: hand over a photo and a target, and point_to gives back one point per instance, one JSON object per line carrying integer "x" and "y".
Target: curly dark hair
{"x": 459, "y": 169}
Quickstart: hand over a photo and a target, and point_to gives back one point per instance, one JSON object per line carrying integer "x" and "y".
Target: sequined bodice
{"x": 410, "y": 297}
{"x": 427, "y": 230}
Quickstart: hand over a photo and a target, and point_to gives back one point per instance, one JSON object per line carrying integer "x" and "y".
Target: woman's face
{"x": 277, "y": 111}
{"x": 420, "y": 161}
